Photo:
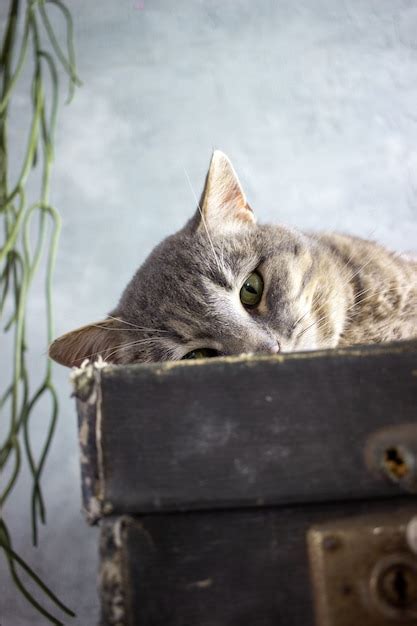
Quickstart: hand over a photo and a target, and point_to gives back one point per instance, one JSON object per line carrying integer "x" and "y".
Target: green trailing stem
{"x": 19, "y": 263}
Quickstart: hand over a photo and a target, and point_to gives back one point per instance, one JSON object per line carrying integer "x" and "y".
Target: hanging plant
{"x": 29, "y": 33}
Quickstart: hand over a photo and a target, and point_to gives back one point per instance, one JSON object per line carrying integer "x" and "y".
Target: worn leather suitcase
{"x": 254, "y": 491}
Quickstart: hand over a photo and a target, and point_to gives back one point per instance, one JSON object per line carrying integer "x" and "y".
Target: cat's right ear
{"x": 223, "y": 203}
{"x": 89, "y": 342}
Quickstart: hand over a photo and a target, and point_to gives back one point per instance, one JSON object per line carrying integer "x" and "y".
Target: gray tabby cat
{"x": 225, "y": 285}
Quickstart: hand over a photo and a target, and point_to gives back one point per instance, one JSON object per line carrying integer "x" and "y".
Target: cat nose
{"x": 270, "y": 347}
{"x": 274, "y": 348}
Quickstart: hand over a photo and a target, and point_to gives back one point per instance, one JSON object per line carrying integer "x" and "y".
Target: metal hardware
{"x": 411, "y": 534}
{"x": 393, "y": 585}
{"x": 363, "y": 571}
{"x": 392, "y": 452}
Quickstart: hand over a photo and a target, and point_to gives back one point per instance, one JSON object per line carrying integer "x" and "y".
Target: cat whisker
{"x": 346, "y": 264}
{"x": 127, "y": 330}
{"x": 371, "y": 288}
{"x": 372, "y": 257}
{"x": 372, "y": 295}
{"x": 107, "y": 355}
{"x": 118, "y": 319}
{"x": 300, "y": 319}
{"x": 314, "y": 301}
{"x": 348, "y": 318}
{"x": 311, "y": 325}
{"x": 203, "y": 219}
{"x": 132, "y": 344}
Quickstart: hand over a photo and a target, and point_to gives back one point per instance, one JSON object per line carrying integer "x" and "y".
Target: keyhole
{"x": 395, "y": 463}
{"x": 400, "y": 587}
{"x": 393, "y": 585}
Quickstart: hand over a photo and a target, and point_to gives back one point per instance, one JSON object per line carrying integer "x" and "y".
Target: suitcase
{"x": 254, "y": 490}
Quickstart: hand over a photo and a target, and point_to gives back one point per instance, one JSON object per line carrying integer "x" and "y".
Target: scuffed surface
{"x": 111, "y": 584}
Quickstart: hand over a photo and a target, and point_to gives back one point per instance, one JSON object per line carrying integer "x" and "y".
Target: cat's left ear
{"x": 104, "y": 338}
{"x": 223, "y": 202}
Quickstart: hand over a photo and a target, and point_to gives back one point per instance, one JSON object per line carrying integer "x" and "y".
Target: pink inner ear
{"x": 224, "y": 200}
{"x": 245, "y": 214}
{"x": 234, "y": 196}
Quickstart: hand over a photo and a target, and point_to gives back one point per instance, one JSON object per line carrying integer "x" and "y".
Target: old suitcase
{"x": 254, "y": 491}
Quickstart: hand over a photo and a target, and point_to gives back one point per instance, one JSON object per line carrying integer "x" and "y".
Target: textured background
{"x": 315, "y": 103}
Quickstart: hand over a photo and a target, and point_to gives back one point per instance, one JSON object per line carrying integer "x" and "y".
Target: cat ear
{"x": 223, "y": 202}
{"x": 88, "y": 342}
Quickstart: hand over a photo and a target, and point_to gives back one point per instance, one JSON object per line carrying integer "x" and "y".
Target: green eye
{"x": 201, "y": 353}
{"x": 252, "y": 289}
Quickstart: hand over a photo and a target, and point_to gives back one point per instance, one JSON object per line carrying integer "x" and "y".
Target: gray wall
{"x": 315, "y": 102}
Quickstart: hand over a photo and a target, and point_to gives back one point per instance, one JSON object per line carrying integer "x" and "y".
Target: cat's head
{"x": 222, "y": 285}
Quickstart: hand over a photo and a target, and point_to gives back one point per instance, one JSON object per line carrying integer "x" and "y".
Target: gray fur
{"x": 320, "y": 291}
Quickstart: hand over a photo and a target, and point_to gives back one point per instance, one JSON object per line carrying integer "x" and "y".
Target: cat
{"x": 225, "y": 285}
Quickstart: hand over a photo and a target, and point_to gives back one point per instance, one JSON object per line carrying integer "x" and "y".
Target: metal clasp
{"x": 363, "y": 571}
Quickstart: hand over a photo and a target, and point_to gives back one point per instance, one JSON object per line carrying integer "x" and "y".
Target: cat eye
{"x": 201, "y": 353}
{"x": 251, "y": 291}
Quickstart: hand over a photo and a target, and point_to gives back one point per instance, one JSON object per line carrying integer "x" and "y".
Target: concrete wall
{"x": 315, "y": 102}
